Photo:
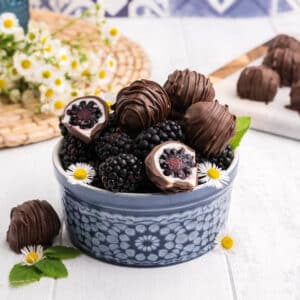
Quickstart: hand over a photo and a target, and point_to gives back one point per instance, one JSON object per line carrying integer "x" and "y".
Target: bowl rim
{"x": 62, "y": 172}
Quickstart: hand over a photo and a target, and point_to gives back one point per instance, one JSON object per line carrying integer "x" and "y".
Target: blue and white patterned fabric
{"x": 162, "y": 8}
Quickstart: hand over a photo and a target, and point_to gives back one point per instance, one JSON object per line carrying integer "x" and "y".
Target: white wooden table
{"x": 265, "y": 206}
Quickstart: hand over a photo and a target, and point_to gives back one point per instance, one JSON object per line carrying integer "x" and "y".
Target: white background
{"x": 265, "y": 206}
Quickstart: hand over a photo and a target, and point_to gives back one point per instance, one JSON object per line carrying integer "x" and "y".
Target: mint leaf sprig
{"x": 242, "y": 125}
{"x": 50, "y": 266}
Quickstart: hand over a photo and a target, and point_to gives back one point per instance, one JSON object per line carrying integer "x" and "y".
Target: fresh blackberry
{"x": 222, "y": 161}
{"x": 122, "y": 173}
{"x": 155, "y": 135}
{"x": 73, "y": 150}
{"x": 111, "y": 143}
{"x": 63, "y": 129}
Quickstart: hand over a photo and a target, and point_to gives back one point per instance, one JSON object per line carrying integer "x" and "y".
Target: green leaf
{"x": 242, "y": 125}
{"x": 21, "y": 274}
{"x": 61, "y": 252}
{"x": 53, "y": 268}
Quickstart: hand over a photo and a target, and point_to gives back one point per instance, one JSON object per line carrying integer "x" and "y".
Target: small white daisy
{"x": 32, "y": 255}
{"x": 111, "y": 63}
{"x": 81, "y": 173}
{"x": 225, "y": 242}
{"x": 8, "y": 23}
{"x": 212, "y": 175}
{"x": 57, "y": 106}
{"x": 111, "y": 34}
{"x": 24, "y": 64}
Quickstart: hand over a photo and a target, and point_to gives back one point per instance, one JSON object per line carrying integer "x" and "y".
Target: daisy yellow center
{"x": 97, "y": 92}
{"x": 213, "y": 173}
{"x": 109, "y": 105}
{"x": 64, "y": 57}
{"x": 227, "y": 242}
{"x": 2, "y": 83}
{"x": 102, "y": 74}
{"x": 48, "y": 48}
{"x": 32, "y": 257}
{"x": 26, "y": 64}
{"x": 74, "y": 65}
{"x": 80, "y": 174}
{"x": 111, "y": 63}
{"x": 85, "y": 72}
{"x": 14, "y": 71}
{"x": 49, "y": 93}
{"x": 58, "y": 82}
{"x": 74, "y": 94}
{"x": 114, "y": 31}
{"x": 44, "y": 40}
{"x": 31, "y": 36}
{"x": 46, "y": 74}
{"x": 58, "y": 104}
{"x": 8, "y": 23}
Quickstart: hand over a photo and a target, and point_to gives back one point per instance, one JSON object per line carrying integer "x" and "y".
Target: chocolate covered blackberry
{"x": 286, "y": 63}
{"x": 258, "y": 83}
{"x": 155, "y": 135}
{"x": 284, "y": 41}
{"x": 186, "y": 88}
{"x": 73, "y": 150}
{"x": 295, "y": 97}
{"x": 171, "y": 166}
{"x": 86, "y": 117}
{"x": 223, "y": 161}
{"x": 122, "y": 173}
{"x": 112, "y": 142}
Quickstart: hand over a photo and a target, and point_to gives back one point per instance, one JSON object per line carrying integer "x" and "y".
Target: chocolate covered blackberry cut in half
{"x": 171, "y": 166}
{"x": 85, "y": 117}
{"x": 258, "y": 83}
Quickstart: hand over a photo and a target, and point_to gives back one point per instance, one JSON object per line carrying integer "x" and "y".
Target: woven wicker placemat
{"x": 20, "y": 125}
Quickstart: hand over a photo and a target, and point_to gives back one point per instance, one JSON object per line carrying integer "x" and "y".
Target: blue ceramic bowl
{"x": 144, "y": 230}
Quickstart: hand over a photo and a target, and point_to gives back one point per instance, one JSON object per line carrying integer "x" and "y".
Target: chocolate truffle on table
{"x": 209, "y": 126}
{"x": 171, "y": 166}
{"x": 284, "y": 41}
{"x": 34, "y": 222}
{"x": 85, "y": 117}
{"x": 140, "y": 105}
{"x": 188, "y": 87}
{"x": 258, "y": 83}
{"x": 286, "y": 63}
{"x": 295, "y": 96}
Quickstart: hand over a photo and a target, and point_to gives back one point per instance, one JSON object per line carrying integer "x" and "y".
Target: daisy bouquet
{"x": 38, "y": 66}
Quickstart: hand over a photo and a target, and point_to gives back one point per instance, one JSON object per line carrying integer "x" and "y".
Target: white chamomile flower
{"x": 81, "y": 173}
{"x": 32, "y": 255}
{"x": 224, "y": 241}
{"x": 111, "y": 34}
{"x": 24, "y": 64}
{"x": 32, "y": 35}
{"x": 47, "y": 93}
{"x": 103, "y": 76}
{"x": 46, "y": 74}
{"x": 111, "y": 63}
{"x": 212, "y": 175}
{"x": 58, "y": 82}
{"x": 64, "y": 57}
{"x": 57, "y": 106}
{"x": 75, "y": 93}
{"x": 8, "y": 23}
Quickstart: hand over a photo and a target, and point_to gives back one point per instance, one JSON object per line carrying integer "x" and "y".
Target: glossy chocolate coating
{"x": 34, "y": 222}
{"x": 209, "y": 126}
{"x": 295, "y": 96}
{"x": 188, "y": 87}
{"x": 141, "y": 105}
{"x": 258, "y": 83}
{"x": 286, "y": 63}
{"x": 284, "y": 41}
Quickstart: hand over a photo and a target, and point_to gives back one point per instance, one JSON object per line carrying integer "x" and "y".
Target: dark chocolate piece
{"x": 34, "y": 222}
{"x": 188, "y": 87}
{"x": 85, "y": 117}
{"x": 286, "y": 63}
{"x": 171, "y": 166}
{"x": 141, "y": 105}
{"x": 295, "y": 97}
{"x": 258, "y": 83}
{"x": 284, "y": 41}
{"x": 209, "y": 126}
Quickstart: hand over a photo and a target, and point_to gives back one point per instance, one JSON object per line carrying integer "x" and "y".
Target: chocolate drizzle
{"x": 34, "y": 222}
{"x": 209, "y": 127}
{"x": 141, "y": 105}
{"x": 258, "y": 83}
{"x": 284, "y": 41}
{"x": 295, "y": 97}
{"x": 188, "y": 87}
{"x": 286, "y": 63}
